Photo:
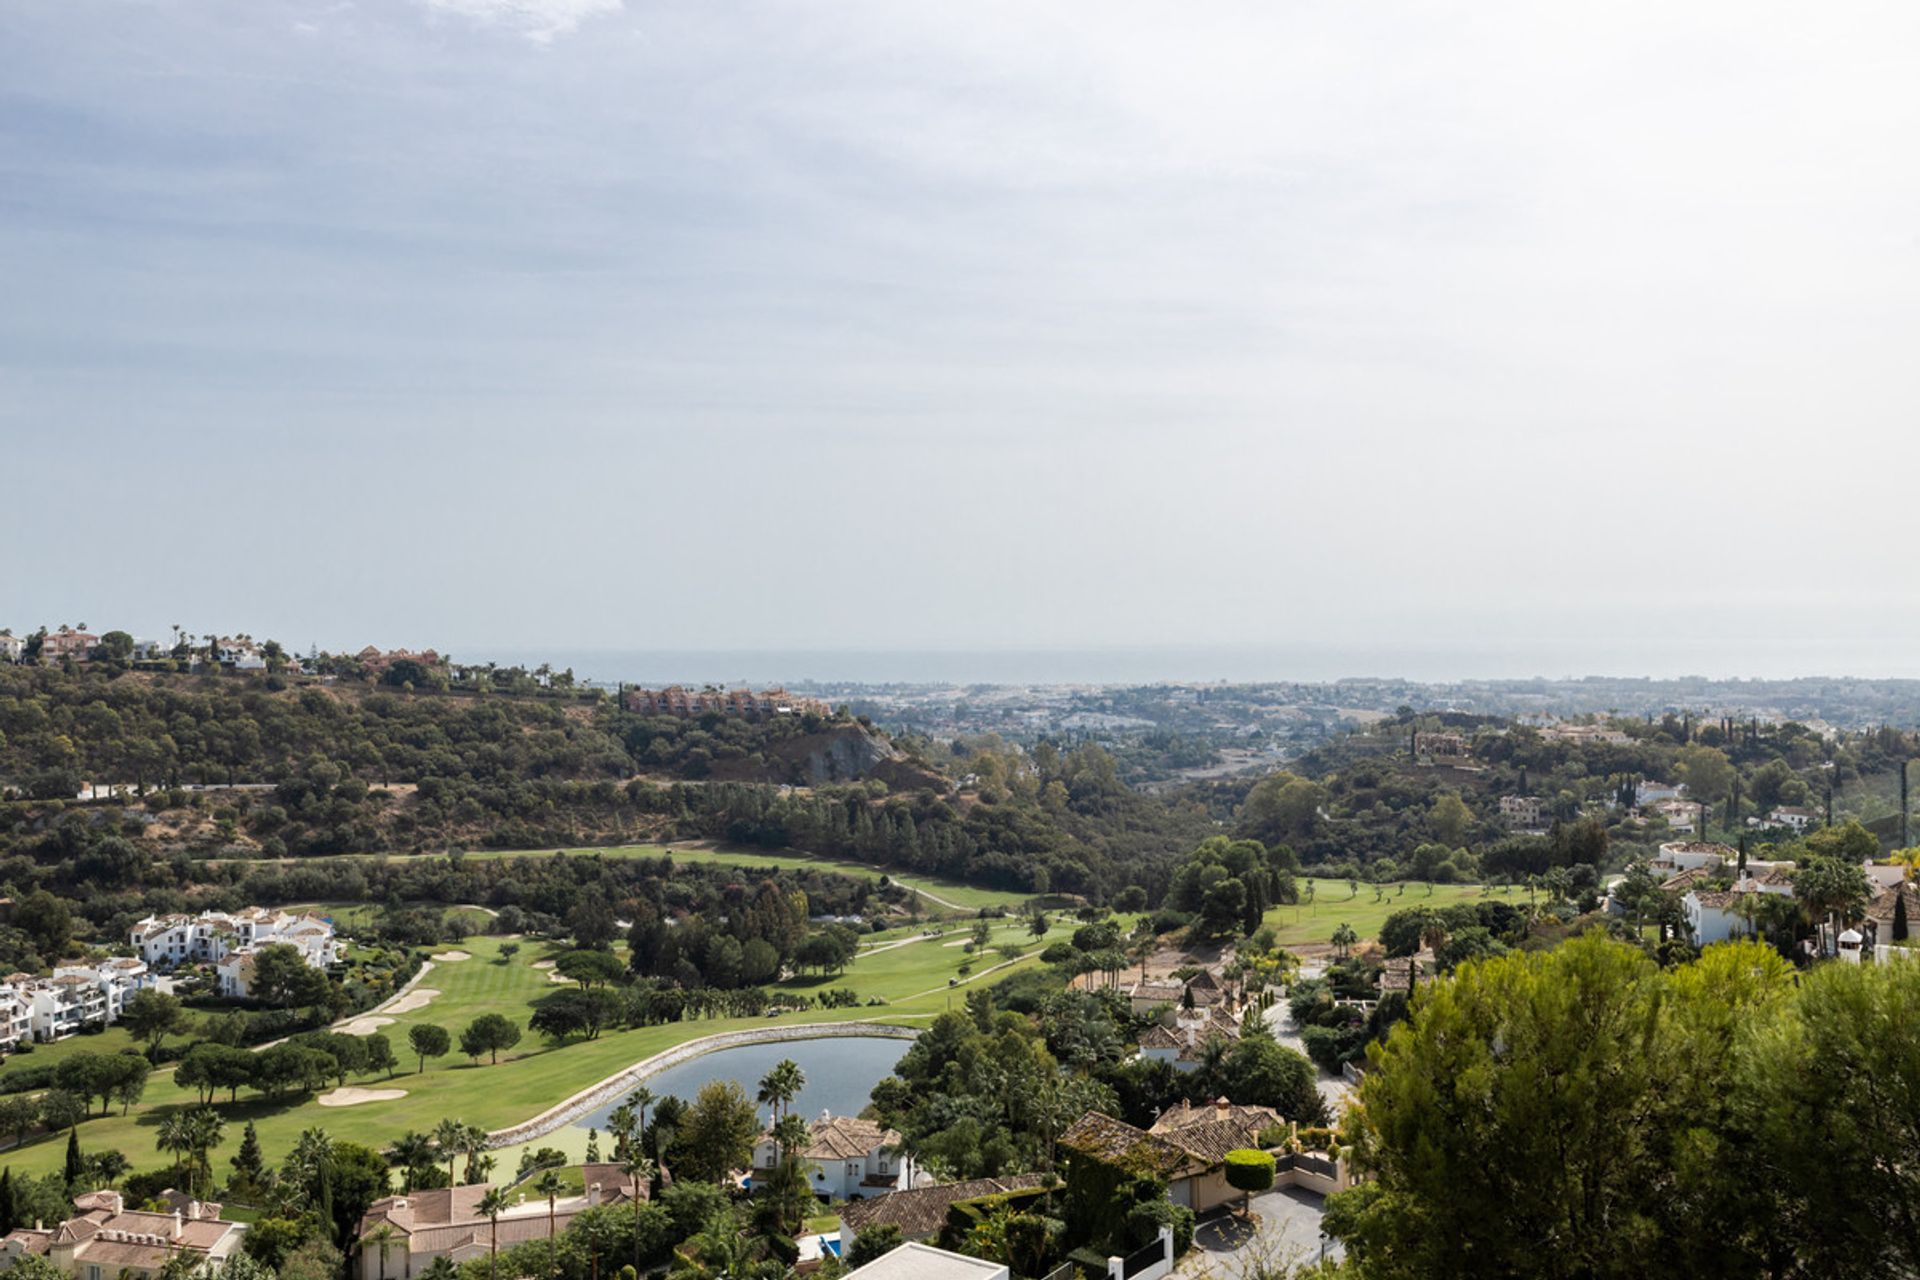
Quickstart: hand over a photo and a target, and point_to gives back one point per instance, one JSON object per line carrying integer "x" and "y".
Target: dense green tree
{"x": 489, "y": 1034}
{"x": 428, "y": 1041}
{"x": 717, "y": 1134}
{"x": 1596, "y": 1078}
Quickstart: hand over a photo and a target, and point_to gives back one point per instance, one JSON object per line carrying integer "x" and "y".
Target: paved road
{"x": 1334, "y": 1089}
{"x": 1285, "y": 1228}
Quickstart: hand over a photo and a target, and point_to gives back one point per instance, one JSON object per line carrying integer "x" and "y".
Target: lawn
{"x": 1333, "y": 905}
{"x": 111, "y": 1040}
{"x": 913, "y": 978}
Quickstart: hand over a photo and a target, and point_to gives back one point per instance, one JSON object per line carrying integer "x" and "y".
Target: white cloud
{"x": 540, "y": 20}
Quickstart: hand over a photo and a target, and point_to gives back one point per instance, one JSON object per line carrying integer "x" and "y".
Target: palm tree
{"x": 623, "y": 1127}
{"x": 174, "y": 1137}
{"x": 448, "y": 1136}
{"x": 383, "y": 1236}
{"x": 492, "y": 1205}
{"x": 640, "y": 1099}
{"x": 1343, "y": 938}
{"x": 550, "y": 1185}
{"x": 780, "y": 1086}
{"x": 719, "y": 1252}
{"x": 206, "y": 1130}
{"x": 639, "y": 1170}
{"x": 412, "y": 1151}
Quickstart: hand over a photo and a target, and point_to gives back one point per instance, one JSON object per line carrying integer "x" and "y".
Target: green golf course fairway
{"x": 1306, "y": 923}
{"x": 911, "y": 976}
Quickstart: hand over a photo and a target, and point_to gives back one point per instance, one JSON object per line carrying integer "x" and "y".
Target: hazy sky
{"x": 618, "y": 324}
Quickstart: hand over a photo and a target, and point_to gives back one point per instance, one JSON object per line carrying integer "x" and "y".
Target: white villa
{"x": 1792, "y": 816}
{"x": 229, "y": 941}
{"x": 1184, "y": 1044}
{"x": 850, "y": 1157}
{"x": 1713, "y": 915}
{"x": 1686, "y": 855}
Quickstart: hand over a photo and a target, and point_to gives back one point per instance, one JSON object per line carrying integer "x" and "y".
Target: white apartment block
{"x": 76, "y": 996}
{"x": 228, "y": 941}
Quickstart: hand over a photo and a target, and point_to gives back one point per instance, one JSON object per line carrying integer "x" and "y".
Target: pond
{"x": 841, "y": 1072}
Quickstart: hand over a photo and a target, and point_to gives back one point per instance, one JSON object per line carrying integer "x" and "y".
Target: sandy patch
{"x": 544, "y": 964}
{"x": 418, "y": 998}
{"x": 365, "y": 1026}
{"x": 560, "y": 978}
{"x": 353, "y": 1097}
{"x": 957, "y": 942}
{"x": 452, "y": 957}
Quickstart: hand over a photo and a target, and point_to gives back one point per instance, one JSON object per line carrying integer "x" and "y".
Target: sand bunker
{"x": 452, "y": 957}
{"x": 544, "y": 964}
{"x": 365, "y": 1026}
{"x": 560, "y": 978}
{"x": 418, "y": 998}
{"x": 353, "y": 1097}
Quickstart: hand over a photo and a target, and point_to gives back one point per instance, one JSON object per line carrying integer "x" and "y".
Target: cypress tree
{"x": 1900, "y": 915}
{"x": 9, "y": 1210}
{"x": 323, "y": 1201}
{"x": 76, "y": 1168}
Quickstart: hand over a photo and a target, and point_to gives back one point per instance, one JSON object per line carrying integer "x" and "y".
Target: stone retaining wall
{"x": 615, "y": 1085}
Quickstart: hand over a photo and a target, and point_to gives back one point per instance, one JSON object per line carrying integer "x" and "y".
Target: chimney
{"x": 193, "y": 1210}
{"x": 178, "y": 1227}
{"x": 593, "y": 1195}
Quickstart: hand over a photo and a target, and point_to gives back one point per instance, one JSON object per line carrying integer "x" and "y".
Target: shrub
{"x": 1249, "y": 1171}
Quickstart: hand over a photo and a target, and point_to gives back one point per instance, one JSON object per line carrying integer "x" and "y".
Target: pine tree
{"x": 76, "y": 1168}
{"x": 249, "y": 1166}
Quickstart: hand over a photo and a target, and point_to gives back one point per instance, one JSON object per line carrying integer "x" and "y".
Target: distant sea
{"x": 1438, "y": 663}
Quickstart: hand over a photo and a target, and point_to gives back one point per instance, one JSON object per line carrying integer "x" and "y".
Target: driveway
{"x": 1334, "y": 1089}
{"x": 1285, "y": 1229}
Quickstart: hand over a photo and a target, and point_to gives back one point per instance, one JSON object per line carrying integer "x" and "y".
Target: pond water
{"x": 841, "y": 1072}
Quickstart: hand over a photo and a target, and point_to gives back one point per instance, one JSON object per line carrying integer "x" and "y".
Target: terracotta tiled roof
{"x": 1104, "y": 1138}
{"x": 29, "y": 1240}
{"x": 1685, "y": 879}
{"x": 1207, "y": 1133}
{"x": 924, "y": 1211}
{"x": 845, "y": 1138}
{"x": 1158, "y": 1037}
{"x": 1881, "y": 908}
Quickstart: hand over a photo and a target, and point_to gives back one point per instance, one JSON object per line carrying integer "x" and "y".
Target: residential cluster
{"x": 230, "y": 942}
{"x": 1698, "y": 870}
{"x": 36, "y": 1010}
{"x": 105, "y": 1240}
